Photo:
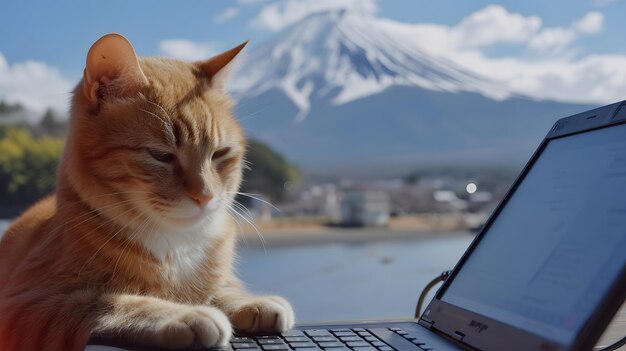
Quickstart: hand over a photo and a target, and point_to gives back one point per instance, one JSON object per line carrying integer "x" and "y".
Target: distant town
{"x": 440, "y": 200}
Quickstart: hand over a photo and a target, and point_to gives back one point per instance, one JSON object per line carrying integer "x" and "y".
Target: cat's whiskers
{"x": 67, "y": 204}
{"x": 91, "y": 215}
{"x": 243, "y": 208}
{"x": 109, "y": 206}
{"x": 94, "y": 214}
{"x": 257, "y": 197}
{"x": 251, "y": 224}
{"x": 241, "y": 233}
{"x": 247, "y": 165}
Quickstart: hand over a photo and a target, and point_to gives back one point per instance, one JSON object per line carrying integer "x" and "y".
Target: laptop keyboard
{"x": 338, "y": 339}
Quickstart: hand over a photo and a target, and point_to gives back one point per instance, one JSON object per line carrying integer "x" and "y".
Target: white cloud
{"x": 549, "y": 71}
{"x": 494, "y": 24}
{"x": 558, "y": 39}
{"x": 553, "y": 40}
{"x": 590, "y": 79}
{"x": 228, "y": 14}
{"x": 34, "y": 84}
{"x": 591, "y": 23}
{"x": 483, "y": 28}
{"x": 187, "y": 50}
{"x": 279, "y": 15}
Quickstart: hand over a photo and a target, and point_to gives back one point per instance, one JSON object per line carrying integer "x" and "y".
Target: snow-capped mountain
{"x": 343, "y": 56}
{"x": 343, "y": 92}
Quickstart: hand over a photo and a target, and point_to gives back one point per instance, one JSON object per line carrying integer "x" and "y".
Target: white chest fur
{"x": 182, "y": 252}
{"x": 182, "y": 264}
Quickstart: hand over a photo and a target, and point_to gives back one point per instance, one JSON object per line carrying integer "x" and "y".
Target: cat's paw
{"x": 264, "y": 314}
{"x": 192, "y": 326}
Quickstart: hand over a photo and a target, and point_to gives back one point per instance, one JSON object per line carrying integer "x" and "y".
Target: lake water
{"x": 346, "y": 281}
{"x": 349, "y": 281}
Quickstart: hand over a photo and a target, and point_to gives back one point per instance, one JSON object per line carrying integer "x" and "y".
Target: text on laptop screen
{"x": 551, "y": 254}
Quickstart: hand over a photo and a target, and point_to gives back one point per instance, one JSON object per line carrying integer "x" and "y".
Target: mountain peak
{"x": 336, "y": 57}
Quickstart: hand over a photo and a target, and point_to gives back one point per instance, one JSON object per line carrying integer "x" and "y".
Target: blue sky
{"x": 56, "y": 35}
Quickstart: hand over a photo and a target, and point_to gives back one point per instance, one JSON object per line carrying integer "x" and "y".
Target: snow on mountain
{"x": 342, "y": 57}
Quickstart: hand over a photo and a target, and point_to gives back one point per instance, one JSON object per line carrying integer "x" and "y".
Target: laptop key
{"x": 317, "y": 332}
{"x": 244, "y": 345}
{"x": 274, "y": 347}
{"x": 364, "y": 348}
{"x": 307, "y": 349}
{"x": 357, "y": 344}
{"x": 350, "y": 338}
{"x": 297, "y": 339}
{"x": 348, "y": 333}
{"x": 364, "y": 333}
{"x": 371, "y": 338}
{"x": 324, "y": 338}
{"x": 358, "y": 329}
{"x": 385, "y": 348}
{"x": 302, "y": 344}
{"x": 292, "y": 333}
{"x": 378, "y": 343}
{"x": 326, "y": 345}
{"x": 340, "y": 330}
{"x": 270, "y": 341}
{"x": 268, "y": 337}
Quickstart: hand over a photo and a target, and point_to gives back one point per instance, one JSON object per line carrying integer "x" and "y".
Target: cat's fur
{"x": 136, "y": 243}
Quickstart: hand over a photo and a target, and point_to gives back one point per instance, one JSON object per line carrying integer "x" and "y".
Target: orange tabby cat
{"x": 137, "y": 242}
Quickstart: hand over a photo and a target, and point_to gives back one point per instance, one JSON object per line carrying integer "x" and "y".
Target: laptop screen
{"x": 557, "y": 245}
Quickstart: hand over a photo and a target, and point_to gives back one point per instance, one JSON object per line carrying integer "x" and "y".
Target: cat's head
{"x": 153, "y": 141}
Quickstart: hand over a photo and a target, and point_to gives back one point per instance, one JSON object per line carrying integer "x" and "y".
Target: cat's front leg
{"x": 254, "y": 314}
{"x": 155, "y": 322}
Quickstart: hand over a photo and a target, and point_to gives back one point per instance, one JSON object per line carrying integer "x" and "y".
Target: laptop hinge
{"x": 425, "y": 322}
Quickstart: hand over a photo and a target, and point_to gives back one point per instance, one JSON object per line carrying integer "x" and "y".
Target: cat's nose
{"x": 200, "y": 198}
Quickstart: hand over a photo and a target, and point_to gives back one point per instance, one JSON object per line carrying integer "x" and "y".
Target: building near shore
{"x": 365, "y": 207}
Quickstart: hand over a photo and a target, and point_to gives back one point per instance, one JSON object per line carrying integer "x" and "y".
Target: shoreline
{"x": 358, "y": 236}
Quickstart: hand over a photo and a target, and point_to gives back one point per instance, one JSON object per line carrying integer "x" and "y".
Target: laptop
{"x": 546, "y": 272}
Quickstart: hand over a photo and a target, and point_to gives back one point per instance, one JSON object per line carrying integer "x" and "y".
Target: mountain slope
{"x": 403, "y": 128}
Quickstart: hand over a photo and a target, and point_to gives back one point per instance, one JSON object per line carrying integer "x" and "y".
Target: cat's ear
{"x": 112, "y": 69}
{"x": 215, "y": 69}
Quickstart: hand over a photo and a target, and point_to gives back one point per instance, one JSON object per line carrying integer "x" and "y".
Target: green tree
{"x": 27, "y": 166}
{"x": 268, "y": 172}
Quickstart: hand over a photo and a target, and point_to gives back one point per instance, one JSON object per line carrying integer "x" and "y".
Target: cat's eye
{"x": 161, "y": 156}
{"x": 220, "y": 153}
